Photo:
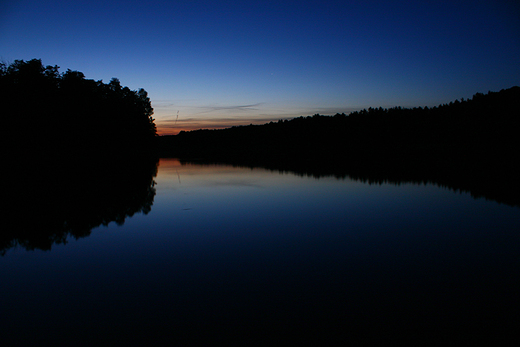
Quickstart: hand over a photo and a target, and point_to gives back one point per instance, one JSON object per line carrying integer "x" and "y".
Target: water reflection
{"x": 503, "y": 188}
{"x": 50, "y": 202}
{"x": 71, "y": 198}
{"x": 227, "y": 252}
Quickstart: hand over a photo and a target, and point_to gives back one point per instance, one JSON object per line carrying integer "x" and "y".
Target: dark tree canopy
{"x": 52, "y": 112}
{"x": 77, "y": 153}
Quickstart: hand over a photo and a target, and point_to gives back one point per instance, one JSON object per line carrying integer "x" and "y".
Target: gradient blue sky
{"x": 223, "y": 63}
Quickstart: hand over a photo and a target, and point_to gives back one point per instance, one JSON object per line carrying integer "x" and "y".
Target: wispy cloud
{"x": 228, "y": 120}
{"x": 212, "y": 108}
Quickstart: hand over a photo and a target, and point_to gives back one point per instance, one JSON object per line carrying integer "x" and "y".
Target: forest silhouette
{"x": 467, "y": 145}
{"x": 77, "y": 153}
{"x": 52, "y": 114}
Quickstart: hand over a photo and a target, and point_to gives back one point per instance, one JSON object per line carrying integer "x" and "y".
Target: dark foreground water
{"x": 251, "y": 255}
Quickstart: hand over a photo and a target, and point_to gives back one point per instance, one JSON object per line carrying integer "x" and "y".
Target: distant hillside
{"x": 483, "y": 128}
{"x": 460, "y": 144}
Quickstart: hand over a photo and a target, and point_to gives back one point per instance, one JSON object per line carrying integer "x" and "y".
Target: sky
{"x": 214, "y": 64}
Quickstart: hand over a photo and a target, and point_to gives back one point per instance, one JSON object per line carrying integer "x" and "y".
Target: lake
{"x": 250, "y": 254}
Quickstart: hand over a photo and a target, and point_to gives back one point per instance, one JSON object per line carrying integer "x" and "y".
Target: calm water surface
{"x": 225, "y": 246}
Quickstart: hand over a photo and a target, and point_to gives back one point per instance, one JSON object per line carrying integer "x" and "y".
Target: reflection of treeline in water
{"x": 501, "y": 191}
{"x": 466, "y": 143}
{"x": 47, "y": 204}
{"x": 45, "y": 112}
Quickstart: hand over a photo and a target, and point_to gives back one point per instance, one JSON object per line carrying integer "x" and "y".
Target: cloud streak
{"x": 206, "y": 109}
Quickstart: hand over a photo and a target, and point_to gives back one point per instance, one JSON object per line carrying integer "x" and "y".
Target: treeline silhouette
{"x": 45, "y": 112}
{"x": 77, "y": 153}
{"x": 470, "y": 145}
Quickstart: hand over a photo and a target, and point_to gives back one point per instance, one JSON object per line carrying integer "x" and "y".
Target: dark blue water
{"x": 229, "y": 250}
